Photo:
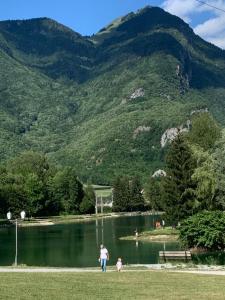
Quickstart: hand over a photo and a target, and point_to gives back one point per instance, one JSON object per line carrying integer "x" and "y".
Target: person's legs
{"x": 103, "y": 265}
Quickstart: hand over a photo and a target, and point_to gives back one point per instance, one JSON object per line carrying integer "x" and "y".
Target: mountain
{"x": 49, "y": 47}
{"x": 105, "y": 104}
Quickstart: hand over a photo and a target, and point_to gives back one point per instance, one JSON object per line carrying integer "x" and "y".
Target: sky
{"x": 89, "y": 16}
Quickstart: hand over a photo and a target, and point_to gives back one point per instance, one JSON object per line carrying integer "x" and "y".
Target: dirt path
{"x": 97, "y": 270}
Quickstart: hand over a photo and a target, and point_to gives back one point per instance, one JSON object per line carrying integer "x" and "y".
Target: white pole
{"x": 96, "y": 204}
{"x": 96, "y": 228}
{"x": 101, "y": 205}
{"x": 102, "y": 231}
{"x": 16, "y": 245}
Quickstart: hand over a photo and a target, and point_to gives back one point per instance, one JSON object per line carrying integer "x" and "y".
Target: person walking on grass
{"x": 104, "y": 256}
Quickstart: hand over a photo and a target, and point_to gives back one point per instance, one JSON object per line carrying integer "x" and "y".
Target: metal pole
{"x": 16, "y": 245}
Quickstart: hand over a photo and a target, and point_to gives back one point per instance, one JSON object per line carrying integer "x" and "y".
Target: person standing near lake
{"x": 104, "y": 256}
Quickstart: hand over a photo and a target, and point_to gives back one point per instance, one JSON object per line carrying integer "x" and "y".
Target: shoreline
{"x": 156, "y": 235}
{"x": 68, "y": 219}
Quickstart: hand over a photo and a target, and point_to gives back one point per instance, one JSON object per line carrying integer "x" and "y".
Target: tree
{"x": 29, "y": 173}
{"x": 14, "y": 194}
{"x": 36, "y": 194}
{"x": 210, "y": 177}
{"x": 219, "y": 171}
{"x": 87, "y": 205}
{"x": 121, "y": 194}
{"x": 204, "y": 230}
{"x": 204, "y": 131}
{"x": 205, "y": 178}
{"x": 154, "y": 192}
{"x": 68, "y": 190}
{"x": 127, "y": 194}
{"x": 3, "y": 199}
{"x": 136, "y": 198}
{"x": 178, "y": 186}
{"x": 30, "y": 162}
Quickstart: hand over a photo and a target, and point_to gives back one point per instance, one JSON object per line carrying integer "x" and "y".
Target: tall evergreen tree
{"x": 121, "y": 194}
{"x": 136, "y": 198}
{"x": 178, "y": 195}
{"x": 154, "y": 192}
{"x": 127, "y": 194}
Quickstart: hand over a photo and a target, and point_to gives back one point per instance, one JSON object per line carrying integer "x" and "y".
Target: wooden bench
{"x": 175, "y": 255}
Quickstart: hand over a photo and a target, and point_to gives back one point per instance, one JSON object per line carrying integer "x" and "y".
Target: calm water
{"x": 77, "y": 245}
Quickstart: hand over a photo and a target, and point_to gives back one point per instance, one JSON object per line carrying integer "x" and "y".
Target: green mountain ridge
{"x": 102, "y": 103}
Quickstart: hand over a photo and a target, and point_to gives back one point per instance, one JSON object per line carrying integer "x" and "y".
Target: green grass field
{"x": 129, "y": 285}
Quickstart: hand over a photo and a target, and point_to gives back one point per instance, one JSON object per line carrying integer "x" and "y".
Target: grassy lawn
{"x": 129, "y": 285}
{"x": 160, "y": 234}
{"x": 162, "y": 231}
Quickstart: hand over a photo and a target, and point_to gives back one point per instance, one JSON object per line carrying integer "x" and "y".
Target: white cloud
{"x": 212, "y": 27}
{"x": 212, "y": 30}
{"x": 183, "y": 8}
{"x": 219, "y": 41}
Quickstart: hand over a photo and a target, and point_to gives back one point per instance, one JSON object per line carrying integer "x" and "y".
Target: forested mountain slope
{"x": 103, "y": 103}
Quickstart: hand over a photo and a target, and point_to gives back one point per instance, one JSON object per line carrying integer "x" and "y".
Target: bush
{"x": 204, "y": 230}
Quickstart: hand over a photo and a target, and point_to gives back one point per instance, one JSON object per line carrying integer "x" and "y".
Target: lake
{"x": 77, "y": 245}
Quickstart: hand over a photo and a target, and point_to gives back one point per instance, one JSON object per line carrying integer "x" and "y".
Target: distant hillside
{"x": 104, "y": 103}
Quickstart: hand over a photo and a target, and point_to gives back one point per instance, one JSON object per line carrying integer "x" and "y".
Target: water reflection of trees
{"x": 55, "y": 246}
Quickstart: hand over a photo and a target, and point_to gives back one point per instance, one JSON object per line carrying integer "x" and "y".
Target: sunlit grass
{"x": 129, "y": 285}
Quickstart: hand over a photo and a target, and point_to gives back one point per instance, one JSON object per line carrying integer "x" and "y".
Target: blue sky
{"x": 84, "y": 16}
{"x": 88, "y": 16}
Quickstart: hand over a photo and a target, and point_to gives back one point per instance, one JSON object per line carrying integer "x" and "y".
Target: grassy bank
{"x": 64, "y": 219}
{"x": 158, "y": 235}
{"x": 131, "y": 285}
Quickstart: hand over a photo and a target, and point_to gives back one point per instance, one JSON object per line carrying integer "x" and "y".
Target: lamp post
{"x": 9, "y": 217}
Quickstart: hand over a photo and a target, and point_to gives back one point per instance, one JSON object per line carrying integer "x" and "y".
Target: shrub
{"x": 204, "y": 230}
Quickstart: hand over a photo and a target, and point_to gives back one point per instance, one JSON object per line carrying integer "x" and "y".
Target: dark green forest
{"x": 29, "y": 182}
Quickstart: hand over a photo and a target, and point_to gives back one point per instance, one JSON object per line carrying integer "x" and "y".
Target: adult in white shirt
{"x": 104, "y": 256}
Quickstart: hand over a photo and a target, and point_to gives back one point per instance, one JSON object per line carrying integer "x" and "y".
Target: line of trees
{"x": 193, "y": 191}
{"x": 195, "y": 172}
{"x": 31, "y": 183}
